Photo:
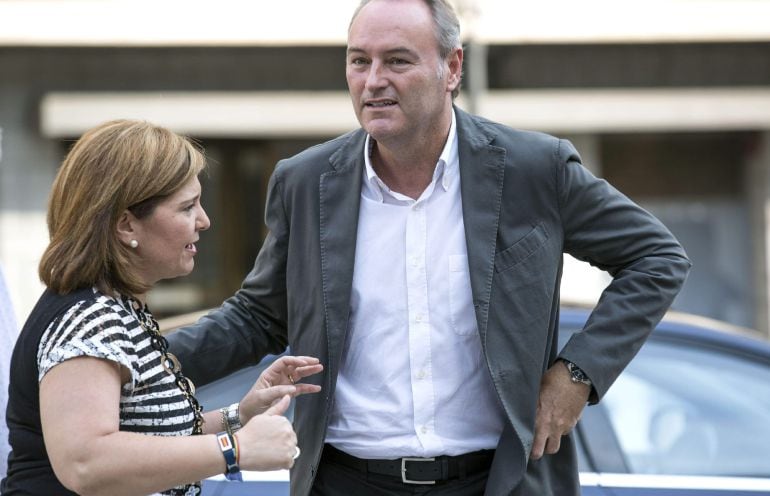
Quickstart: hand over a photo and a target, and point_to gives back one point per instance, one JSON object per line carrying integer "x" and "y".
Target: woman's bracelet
{"x": 228, "y": 444}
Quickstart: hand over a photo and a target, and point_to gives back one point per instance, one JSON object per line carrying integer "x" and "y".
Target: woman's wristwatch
{"x": 231, "y": 418}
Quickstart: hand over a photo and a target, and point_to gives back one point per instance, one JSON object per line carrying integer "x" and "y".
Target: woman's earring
{"x": 134, "y": 243}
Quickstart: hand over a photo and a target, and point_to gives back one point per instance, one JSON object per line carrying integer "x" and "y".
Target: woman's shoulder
{"x": 97, "y": 326}
{"x": 94, "y": 309}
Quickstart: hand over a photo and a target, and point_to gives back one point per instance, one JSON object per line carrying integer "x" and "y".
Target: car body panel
{"x": 656, "y": 485}
{"x": 254, "y": 484}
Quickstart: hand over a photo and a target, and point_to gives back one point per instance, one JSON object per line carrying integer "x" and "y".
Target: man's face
{"x": 399, "y": 85}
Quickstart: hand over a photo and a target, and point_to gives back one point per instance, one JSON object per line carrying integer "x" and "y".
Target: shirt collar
{"x": 446, "y": 170}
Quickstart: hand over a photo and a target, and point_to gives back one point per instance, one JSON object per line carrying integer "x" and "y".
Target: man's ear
{"x": 126, "y": 227}
{"x": 455, "y": 63}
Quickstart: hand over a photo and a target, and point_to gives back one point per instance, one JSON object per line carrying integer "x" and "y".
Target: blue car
{"x": 689, "y": 416}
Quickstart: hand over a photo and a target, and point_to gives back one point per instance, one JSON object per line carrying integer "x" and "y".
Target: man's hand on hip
{"x": 559, "y": 407}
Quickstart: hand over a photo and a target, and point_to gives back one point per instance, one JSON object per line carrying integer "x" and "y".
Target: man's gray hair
{"x": 446, "y": 26}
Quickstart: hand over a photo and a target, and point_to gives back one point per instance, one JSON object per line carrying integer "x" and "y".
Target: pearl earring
{"x": 134, "y": 243}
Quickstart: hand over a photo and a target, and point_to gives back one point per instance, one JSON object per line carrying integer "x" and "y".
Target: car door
{"x": 689, "y": 416}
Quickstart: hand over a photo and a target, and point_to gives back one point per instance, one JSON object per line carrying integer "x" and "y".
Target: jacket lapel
{"x": 340, "y": 197}
{"x": 482, "y": 168}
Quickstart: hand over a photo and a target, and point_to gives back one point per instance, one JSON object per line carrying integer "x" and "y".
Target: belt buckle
{"x": 403, "y": 470}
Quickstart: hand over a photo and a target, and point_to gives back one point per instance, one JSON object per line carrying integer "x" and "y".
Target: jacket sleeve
{"x": 647, "y": 264}
{"x": 251, "y": 323}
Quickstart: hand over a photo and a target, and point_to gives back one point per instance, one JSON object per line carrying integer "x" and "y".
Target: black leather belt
{"x": 416, "y": 470}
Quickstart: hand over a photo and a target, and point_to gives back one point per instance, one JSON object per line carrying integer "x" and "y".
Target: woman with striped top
{"x": 97, "y": 404}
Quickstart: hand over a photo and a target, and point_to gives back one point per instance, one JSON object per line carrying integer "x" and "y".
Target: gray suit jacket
{"x": 526, "y": 201}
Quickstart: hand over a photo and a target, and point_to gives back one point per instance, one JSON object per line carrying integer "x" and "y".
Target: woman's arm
{"x": 79, "y": 410}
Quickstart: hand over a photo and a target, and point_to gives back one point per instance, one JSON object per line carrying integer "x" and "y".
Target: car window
{"x": 692, "y": 411}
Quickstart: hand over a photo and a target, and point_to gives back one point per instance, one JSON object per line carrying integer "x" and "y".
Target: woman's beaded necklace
{"x": 170, "y": 364}
{"x": 168, "y": 361}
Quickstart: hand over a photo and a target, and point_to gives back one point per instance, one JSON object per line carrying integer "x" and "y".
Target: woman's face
{"x": 168, "y": 235}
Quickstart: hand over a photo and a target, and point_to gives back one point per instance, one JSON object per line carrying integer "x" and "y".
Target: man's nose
{"x": 375, "y": 77}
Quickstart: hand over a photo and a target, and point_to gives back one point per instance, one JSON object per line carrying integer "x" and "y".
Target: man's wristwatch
{"x": 576, "y": 373}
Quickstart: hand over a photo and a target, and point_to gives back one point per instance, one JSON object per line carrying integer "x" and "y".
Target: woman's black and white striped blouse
{"x": 109, "y": 328}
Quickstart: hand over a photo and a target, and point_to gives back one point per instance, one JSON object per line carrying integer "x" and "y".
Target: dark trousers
{"x": 334, "y": 479}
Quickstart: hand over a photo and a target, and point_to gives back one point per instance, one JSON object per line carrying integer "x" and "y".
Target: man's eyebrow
{"x": 391, "y": 51}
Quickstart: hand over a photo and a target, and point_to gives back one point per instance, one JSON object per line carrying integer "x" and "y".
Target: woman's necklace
{"x": 168, "y": 361}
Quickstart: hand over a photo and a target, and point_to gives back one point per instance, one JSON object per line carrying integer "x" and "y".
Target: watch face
{"x": 577, "y": 374}
{"x": 233, "y": 416}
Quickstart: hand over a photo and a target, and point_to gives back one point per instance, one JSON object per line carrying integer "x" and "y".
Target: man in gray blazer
{"x": 420, "y": 258}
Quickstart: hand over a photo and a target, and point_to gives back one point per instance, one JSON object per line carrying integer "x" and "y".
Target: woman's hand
{"x": 267, "y": 441}
{"x": 281, "y": 378}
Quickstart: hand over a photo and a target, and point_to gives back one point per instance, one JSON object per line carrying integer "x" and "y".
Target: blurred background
{"x": 667, "y": 99}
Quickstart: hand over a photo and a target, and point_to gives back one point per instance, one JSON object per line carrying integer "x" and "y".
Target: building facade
{"x": 668, "y": 100}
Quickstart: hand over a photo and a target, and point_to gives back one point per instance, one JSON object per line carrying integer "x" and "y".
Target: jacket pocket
{"x": 522, "y": 249}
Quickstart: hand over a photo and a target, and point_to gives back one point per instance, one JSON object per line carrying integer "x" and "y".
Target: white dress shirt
{"x": 413, "y": 380}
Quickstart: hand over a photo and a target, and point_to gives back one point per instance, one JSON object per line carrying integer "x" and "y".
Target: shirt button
{"x": 424, "y": 429}
{"x": 421, "y": 374}
{"x": 418, "y": 317}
